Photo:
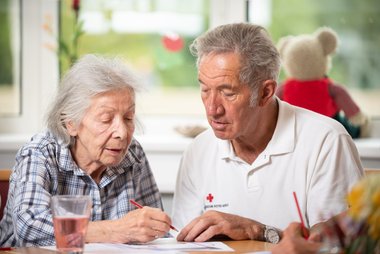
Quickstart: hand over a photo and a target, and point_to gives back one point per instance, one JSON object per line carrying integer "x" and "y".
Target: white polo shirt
{"x": 309, "y": 153}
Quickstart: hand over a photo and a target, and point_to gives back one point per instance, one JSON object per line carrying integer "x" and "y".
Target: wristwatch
{"x": 271, "y": 234}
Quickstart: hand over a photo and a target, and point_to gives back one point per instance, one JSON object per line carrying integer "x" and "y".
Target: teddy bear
{"x": 306, "y": 60}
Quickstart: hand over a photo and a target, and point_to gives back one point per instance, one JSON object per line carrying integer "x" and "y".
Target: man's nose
{"x": 214, "y": 106}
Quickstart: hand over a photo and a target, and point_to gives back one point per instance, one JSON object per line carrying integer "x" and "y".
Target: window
{"x": 153, "y": 36}
{"x": 357, "y": 61}
{"x": 41, "y": 69}
{"x": 38, "y": 66}
{"x": 10, "y": 71}
{"x": 355, "y": 65}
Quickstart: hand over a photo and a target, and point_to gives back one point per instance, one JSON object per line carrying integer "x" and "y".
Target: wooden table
{"x": 238, "y": 246}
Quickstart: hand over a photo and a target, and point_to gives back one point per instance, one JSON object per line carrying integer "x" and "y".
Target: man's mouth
{"x": 218, "y": 125}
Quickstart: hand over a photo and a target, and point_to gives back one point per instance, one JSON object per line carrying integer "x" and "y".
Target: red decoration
{"x": 210, "y": 197}
{"x": 173, "y": 42}
{"x": 76, "y": 5}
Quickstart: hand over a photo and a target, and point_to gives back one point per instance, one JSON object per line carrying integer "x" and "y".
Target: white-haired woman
{"x": 87, "y": 149}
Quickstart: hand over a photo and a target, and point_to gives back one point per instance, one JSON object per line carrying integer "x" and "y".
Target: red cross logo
{"x": 210, "y": 197}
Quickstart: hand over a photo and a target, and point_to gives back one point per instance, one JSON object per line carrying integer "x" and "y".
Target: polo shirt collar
{"x": 283, "y": 139}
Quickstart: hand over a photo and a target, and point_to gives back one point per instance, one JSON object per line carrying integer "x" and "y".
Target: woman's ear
{"x": 267, "y": 91}
{"x": 71, "y": 128}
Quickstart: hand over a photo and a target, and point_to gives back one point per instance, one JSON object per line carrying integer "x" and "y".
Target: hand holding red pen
{"x": 133, "y": 202}
{"x": 136, "y": 226}
{"x": 294, "y": 243}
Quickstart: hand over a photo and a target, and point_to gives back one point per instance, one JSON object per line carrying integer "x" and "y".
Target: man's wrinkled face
{"x": 225, "y": 98}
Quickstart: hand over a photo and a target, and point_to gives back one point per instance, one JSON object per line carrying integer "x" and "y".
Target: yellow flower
{"x": 364, "y": 201}
{"x": 355, "y": 200}
{"x": 374, "y": 224}
{"x": 376, "y": 198}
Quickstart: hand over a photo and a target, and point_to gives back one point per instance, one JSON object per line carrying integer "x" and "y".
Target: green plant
{"x": 67, "y": 49}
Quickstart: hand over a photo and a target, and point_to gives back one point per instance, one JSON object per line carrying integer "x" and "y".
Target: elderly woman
{"x": 88, "y": 149}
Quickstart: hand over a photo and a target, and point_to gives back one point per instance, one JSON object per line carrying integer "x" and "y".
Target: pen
{"x": 6, "y": 248}
{"x": 140, "y": 206}
{"x": 304, "y": 230}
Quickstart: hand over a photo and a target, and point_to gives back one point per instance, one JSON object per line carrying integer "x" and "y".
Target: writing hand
{"x": 137, "y": 226}
{"x": 293, "y": 242}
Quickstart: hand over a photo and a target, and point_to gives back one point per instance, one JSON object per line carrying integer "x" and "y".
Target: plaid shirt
{"x": 44, "y": 167}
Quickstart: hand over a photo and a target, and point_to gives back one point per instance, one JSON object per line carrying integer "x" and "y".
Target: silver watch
{"x": 271, "y": 234}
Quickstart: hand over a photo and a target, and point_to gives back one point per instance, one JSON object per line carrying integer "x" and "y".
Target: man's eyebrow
{"x": 222, "y": 86}
{"x": 225, "y": 86}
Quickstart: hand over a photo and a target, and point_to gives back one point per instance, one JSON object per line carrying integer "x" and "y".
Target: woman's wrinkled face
{"x": 103, "y": 136}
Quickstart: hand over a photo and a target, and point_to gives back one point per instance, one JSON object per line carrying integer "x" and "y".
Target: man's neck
{"x": 249, "y": 148}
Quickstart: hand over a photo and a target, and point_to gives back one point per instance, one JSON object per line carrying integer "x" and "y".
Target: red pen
{"x": 6, "y": 248}
{"x": 140, "y": 206}
{"x": 304, "y": 230}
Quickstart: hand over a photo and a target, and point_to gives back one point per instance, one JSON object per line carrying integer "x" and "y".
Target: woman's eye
{"x": 105, "y": 120}
{"x": 129, "y": 118}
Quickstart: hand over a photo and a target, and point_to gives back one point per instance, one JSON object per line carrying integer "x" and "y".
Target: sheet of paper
{"x": 259, "y": 252}
{"x": 174, "y": 233}
{"x": 169, "y": 245}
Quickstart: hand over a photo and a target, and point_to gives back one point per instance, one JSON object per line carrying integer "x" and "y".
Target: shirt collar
{"x": 283, "y": 139}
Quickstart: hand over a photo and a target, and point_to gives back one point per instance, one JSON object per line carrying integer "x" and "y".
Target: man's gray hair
{"x": 88, "y": 77}
{"x": 259, "y": 57}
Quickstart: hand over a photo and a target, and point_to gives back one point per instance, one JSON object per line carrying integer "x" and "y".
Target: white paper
{"x": 169, "y": 245}
{"x": 259, "y": 252}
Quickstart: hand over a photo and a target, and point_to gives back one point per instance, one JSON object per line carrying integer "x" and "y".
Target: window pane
{"x": 9, "y": 58}
{"x": 357, "y": 62}
{"x": 153, "y": 37}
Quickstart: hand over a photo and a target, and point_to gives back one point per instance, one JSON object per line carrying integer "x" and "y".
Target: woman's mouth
{"x": 115, "y": 151}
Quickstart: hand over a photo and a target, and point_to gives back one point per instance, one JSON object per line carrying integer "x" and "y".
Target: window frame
{"x": 37, "y": 83}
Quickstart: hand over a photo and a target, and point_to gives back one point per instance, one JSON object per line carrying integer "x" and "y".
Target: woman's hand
{"x": 137, "y": 226}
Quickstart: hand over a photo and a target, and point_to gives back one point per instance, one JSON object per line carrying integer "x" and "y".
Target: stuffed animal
{"x": 306, "y": 61}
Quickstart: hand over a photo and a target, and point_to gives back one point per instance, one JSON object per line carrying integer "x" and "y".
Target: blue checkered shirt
{"x": 44, "y": 167}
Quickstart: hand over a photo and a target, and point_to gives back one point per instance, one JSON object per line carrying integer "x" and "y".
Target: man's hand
{"x": 213, "y": 223}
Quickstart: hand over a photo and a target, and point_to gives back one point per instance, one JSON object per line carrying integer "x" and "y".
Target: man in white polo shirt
{"x": 237, "y": 178}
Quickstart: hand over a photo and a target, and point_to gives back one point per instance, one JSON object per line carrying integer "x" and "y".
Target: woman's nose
{"x": 120, "y": 130}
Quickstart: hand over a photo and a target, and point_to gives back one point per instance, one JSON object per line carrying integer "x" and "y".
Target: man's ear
{"x": 71, "y": 128}
{"x": 267, "y": 91}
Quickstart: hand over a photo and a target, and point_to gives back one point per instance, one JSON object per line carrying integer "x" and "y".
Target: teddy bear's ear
{"x": 328, "y": 39}
{"x": 281, "y": 45}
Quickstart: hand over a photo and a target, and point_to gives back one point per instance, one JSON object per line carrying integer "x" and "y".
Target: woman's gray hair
{"x": 259, "y": 57}
{"x": 89, "y": 76}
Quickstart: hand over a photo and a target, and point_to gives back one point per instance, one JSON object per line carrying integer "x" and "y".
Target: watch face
{"x": 271, "y": 235}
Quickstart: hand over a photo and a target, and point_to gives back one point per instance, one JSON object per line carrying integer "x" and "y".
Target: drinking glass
{"x": 71, "y": 214}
